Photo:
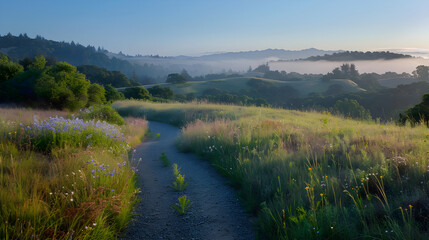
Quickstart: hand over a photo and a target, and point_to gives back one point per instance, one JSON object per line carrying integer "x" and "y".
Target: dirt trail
{"x": 215, "y": 213}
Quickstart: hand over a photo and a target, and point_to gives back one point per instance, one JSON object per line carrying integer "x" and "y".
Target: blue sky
{"x": 190, "y": 27}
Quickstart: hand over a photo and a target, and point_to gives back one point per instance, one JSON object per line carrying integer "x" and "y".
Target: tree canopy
{"x": 137, "y": 93}
{"x": 422, "y": 73}
{"x": 161, "y": 92}
{"x": 417, "y": 114}
{"x": 175, "y": 78}
{"x": 351, "y": 108}
{"x": 63, "y": 87}
{"x": 8, "y": 69}
{"x": 104, "y": 77}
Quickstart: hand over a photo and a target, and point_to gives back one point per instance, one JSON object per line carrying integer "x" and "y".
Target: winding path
{"x": 215, "y": 213}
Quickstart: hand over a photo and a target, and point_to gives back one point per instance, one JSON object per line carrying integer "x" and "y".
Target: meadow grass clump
{"x": 309, "y": 175}
{"x": 69, "y": 192}
{"x": 101, "y": 112}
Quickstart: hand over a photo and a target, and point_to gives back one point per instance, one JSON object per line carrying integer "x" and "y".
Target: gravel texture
{"x": 215, "y": 213}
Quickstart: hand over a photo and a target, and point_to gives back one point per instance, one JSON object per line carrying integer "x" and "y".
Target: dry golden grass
{"x": 26, "y": 116}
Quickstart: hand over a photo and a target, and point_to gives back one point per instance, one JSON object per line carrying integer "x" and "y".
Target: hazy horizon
{"x": 172, "y": 28}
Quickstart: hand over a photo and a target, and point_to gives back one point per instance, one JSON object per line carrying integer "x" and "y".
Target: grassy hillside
{"x": 309, "y": 175}
{"x": 236, "y": 84}
{"x": 63, "y": 177}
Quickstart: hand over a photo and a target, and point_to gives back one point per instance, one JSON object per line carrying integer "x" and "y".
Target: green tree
{"x": 62, "y": 86}
{"x": 137, "y": 93}
{"x": 112, "y": 94}
{"x": 351, "y": 108}
{"x": 161, "y": 92}
{"x": 96, "y": 94}
{"x": 422, "y": 73}
{"x": 8, "y": 69}
{"x": 185, "y": 74}
{"x": 39, "y": 63}
{"x": 417, "y": 114}
{"x": 175, "y": 78}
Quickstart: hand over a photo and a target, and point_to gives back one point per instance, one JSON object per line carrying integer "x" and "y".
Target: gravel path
{"x": 215, "y": 213}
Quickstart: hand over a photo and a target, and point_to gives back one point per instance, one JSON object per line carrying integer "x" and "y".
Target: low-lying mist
{"x": 377, "y": 66}
{"x": 197, "y": 67}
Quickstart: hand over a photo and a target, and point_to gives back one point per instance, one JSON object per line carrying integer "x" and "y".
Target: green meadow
{"x": 62, "y": 177}
{"x": 309, "y": 175}
{"x": 237, "y": 84}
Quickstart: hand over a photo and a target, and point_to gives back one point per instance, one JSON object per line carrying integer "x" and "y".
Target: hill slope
{"x": 235, "y": 85}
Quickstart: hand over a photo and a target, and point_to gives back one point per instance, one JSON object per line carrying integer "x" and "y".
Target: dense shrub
{"x": 137, "y": 93}
{"x": 63, "y": 87}
{"x": 102, "y": 113}
{"x": 8, "y": 69}
{"x": 351, "y": 108}
{"x": 112, "y": 94}
{"x": 96, "y": 94}
{"x": 417, "y": 114}
{"x": 161, "y": 92}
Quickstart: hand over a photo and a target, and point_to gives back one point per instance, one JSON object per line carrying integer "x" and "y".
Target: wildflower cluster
{"x": 59, "y": 132}
{"x": 105, "y": 169}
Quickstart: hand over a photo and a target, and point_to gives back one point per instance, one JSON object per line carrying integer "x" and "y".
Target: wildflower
{"x": 71, "y": 199}
{"x": 94, "y": 224}
{"x": 50, "y": 193}
{"x": 310, "y": 169}
{"x": 306, "y": 188}
{"x": 321, "y": 194}
{"x": 411, "y": 206}
{"x": 381, "y": 177}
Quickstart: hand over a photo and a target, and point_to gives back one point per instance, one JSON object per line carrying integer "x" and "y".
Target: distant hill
{"x": 357, "y": 56}
{"x": 242, "y": 84}
{"x": 394, "y": 82}
{"x": 22, "y": 46}
{"x": 223, "y": 62}
{"x": 267, "y": 54}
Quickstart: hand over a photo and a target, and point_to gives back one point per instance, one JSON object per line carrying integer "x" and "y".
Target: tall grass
{"x": 67, "y": 188}
{"x": 309, "y": 175}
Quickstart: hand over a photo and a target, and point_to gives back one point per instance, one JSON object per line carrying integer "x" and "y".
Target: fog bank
{"x": 377, "y": 66}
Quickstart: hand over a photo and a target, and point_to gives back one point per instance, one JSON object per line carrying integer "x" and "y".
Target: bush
{"x": 137, "y": 93}
{"x": 63, "y": 87}
{"x": 96, "y": 94}
{"x": 161, "y": 92}
{"x": 112, "y": 94}
{"x": 351, "y": 108}
{"x": 102, "y": 113}
{"x": 8, "y": 69}
{"x": 175, "y": 78}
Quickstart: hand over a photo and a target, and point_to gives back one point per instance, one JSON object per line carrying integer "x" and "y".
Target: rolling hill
{"x": 235, "y": 85}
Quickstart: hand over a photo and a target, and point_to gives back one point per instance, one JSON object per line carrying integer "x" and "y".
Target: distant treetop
{"x": 356, "y": 55}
